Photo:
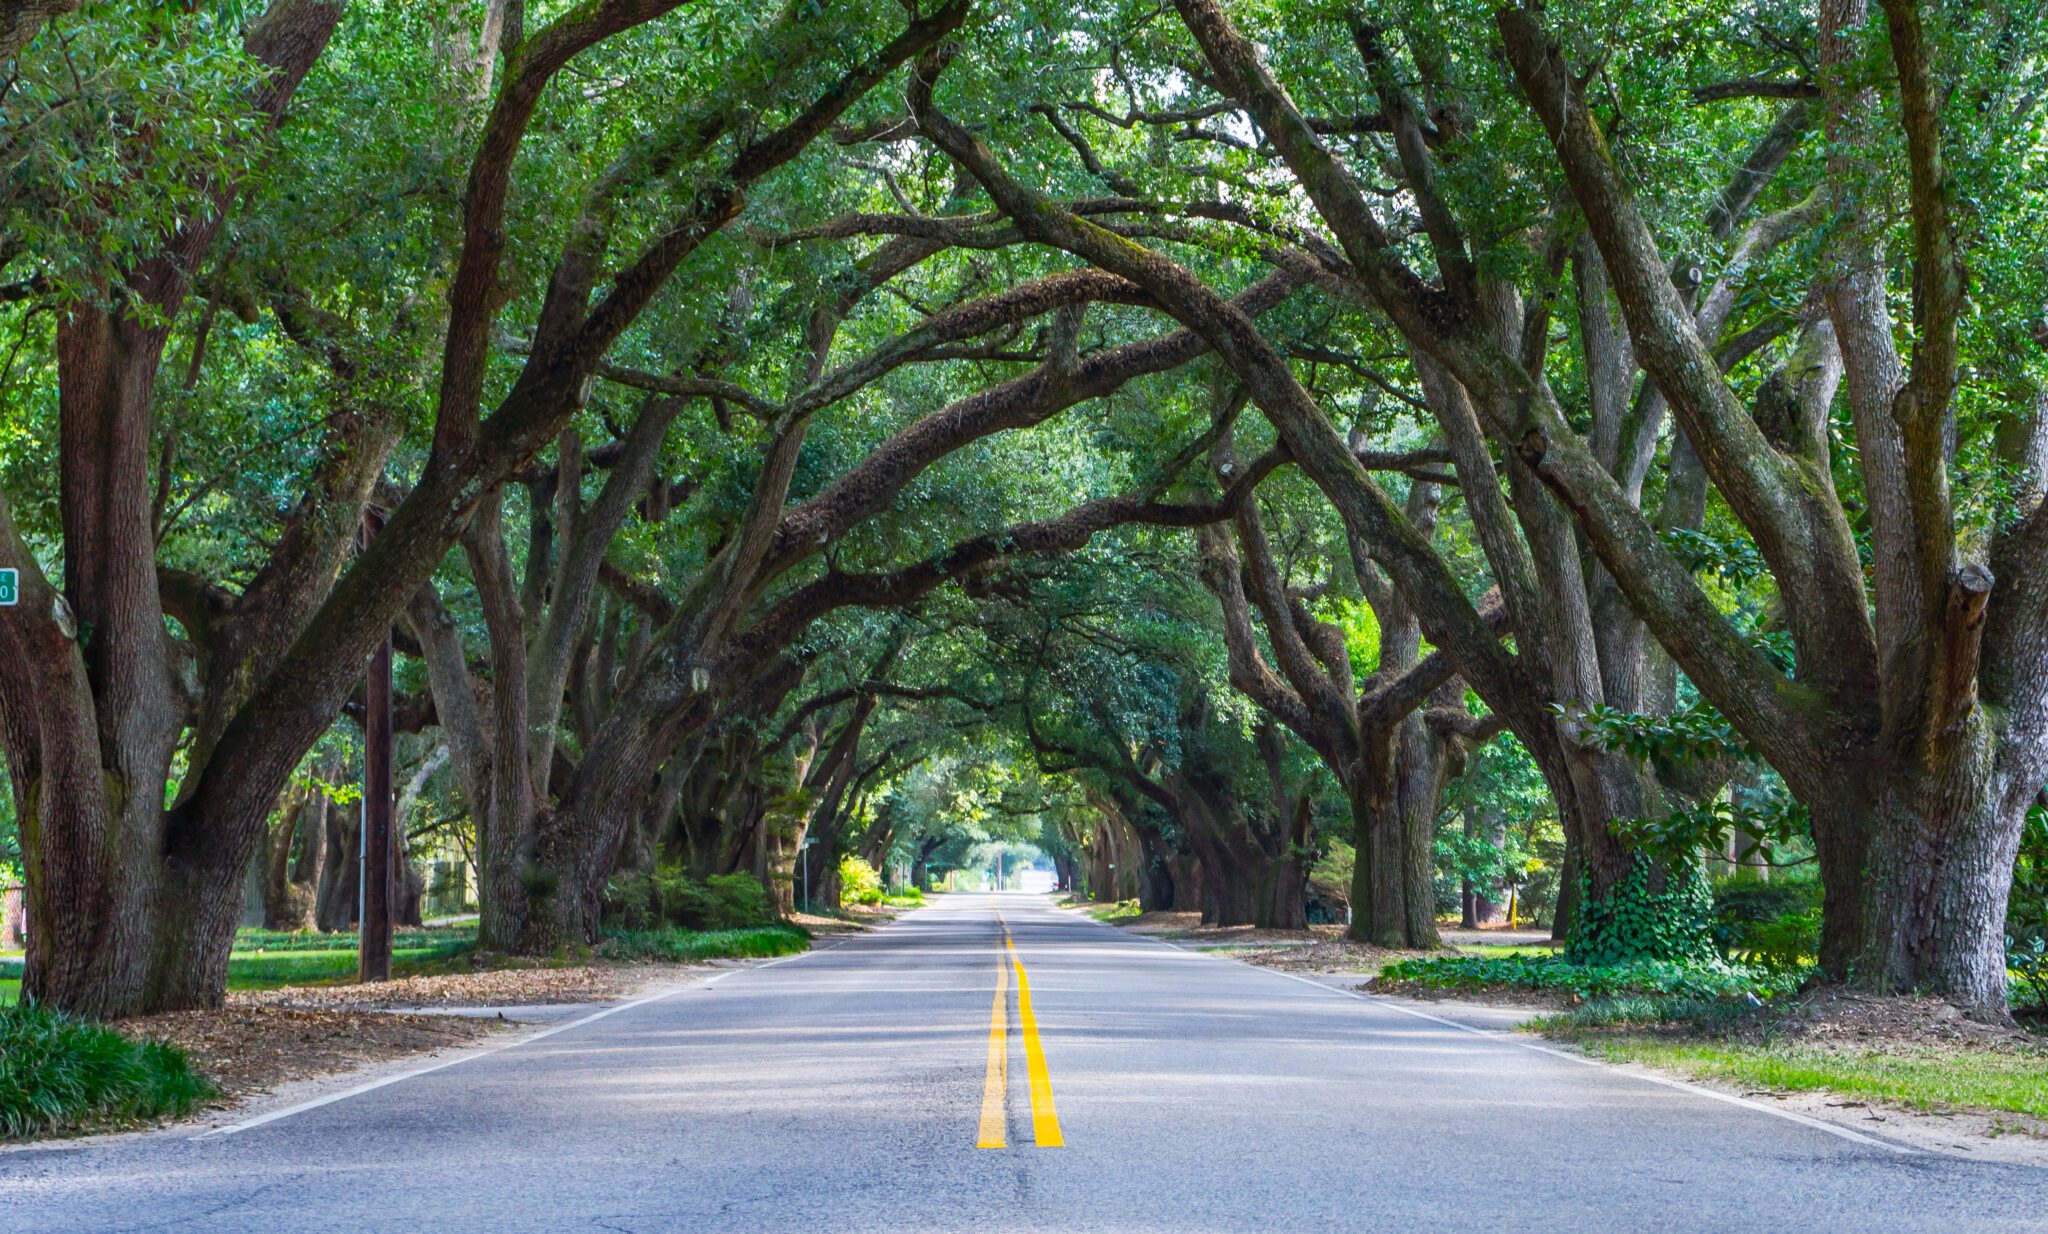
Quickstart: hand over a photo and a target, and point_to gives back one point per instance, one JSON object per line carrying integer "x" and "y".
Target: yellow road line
{"x": 996, "y": 1086}
{"x": 1045, "y": 1117}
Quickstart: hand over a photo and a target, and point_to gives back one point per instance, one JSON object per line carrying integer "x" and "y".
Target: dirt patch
{"x": 1160, "y": 922}
{"x": 494, "y": 987}
{"x": 1228, "y": 935}
{"x": 2013, "y": 1138}
{"x": 1459, "y": 936}
{"x": 1831, "y": 1018}
{"x": 854, "y": 919}
{"x": 247, "y": 1050}
{"x": 1187, "y": 927}
{"x": 1329, "y": 955}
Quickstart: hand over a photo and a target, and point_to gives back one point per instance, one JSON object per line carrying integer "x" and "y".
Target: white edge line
{"x": 360, "y": 1089}
{"x": 1817, "y": 1124}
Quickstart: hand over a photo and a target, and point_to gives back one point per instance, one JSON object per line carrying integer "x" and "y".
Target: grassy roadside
{"x": 271, "y": 959}
{"x": 1761, "y": 1028}
{"x": 1919, "y": 1078}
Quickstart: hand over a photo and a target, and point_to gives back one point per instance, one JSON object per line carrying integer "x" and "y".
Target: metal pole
{"x": 373, "y": 953}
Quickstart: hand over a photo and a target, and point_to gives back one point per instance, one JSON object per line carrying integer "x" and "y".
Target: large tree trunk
{"x": 1916, "y": 875}
{"x": 341, "y": 870}
{"x": 1393, "y": 811}
{"x": 1253, "y": 871}
{"x": 1486, "y": 899}
{"x": 298, "y": 851}
{"x": 1154, "y": 874}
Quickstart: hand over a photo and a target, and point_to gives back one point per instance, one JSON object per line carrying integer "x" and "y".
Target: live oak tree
{"x": 1905, "y": 724}
{"x": 145, "y": 865}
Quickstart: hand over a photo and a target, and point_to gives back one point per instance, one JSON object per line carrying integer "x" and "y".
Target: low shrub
{"x": 1587, "y": 981}
{"x": 676, "y": 945}
{"x": 644, "y": 900}
{"x": 629, "y": 901}
{"x": 909, "y": 897}
{"x": 60, "y": 1073}
{"x": 2026, "y": 918}
{"x": 859, "y": 883}
{"x": 1774, "y": 924}
{"x": 1646, "y": 1010}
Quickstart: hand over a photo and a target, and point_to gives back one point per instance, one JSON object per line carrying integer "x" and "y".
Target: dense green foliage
{"x": 1774, "y": 923}
{"x": 2027, "y": 917}
{"x": 1583, "y": 981}
{"x": 858, "y": 881}
{"x": 59, "y": 1073}
{"x": 646, "y": 899}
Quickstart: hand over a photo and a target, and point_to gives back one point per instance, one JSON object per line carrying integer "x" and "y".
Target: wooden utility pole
{"x": 373, "y": 921}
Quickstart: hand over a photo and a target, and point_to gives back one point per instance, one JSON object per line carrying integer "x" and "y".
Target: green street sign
{"x": 10, "y": 587}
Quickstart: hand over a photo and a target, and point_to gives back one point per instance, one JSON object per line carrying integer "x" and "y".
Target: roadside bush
{"x": 909, "y": 897}
{"x": 676, "y": 945}
{"x": 859, "y": 883}
{"x": 629, "y": 900}
{"x": 1645, "y": 1010}
{"x": 1774, "y": 924}
{"x": 2026, "y": 919}
{"x": 641, "y": 900}
{"x": 1585, "y": 981}
{"x": 60, "y": 1073}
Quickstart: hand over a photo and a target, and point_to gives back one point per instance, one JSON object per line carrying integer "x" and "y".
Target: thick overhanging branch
{"x": 1384, "y": 702}
{"x": 1755, "y": 88}
{"x": 789, "y": 617}
{"x": 1017, "y": 403}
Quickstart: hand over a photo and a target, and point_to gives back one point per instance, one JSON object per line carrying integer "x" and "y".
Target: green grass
{"x": 678, "y": 945}
{"x": 909, "y": 897}
{"x": 58, "y": 1073}
{"x": 250, "y": 939}
{"x": 251, "y": 970}
{"x": 1122, "y": 910}
{"x": 266, "y": 959}
{"x": 2015, "y": 1082}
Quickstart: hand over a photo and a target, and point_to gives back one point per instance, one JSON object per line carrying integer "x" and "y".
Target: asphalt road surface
{"x": 990, "y": 1063}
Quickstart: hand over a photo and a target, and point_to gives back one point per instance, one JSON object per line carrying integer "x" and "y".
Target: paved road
{"x": 846, "y": 1091}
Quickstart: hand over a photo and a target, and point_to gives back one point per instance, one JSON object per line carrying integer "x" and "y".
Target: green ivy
{"x": 1632, "y": 922}
{"x": 1712, "y": 980}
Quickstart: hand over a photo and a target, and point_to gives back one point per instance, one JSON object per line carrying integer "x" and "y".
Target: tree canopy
{"x": 1560, "y": 450}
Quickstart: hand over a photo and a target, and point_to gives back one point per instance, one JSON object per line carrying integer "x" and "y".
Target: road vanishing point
{"x": 992, "y": 1063}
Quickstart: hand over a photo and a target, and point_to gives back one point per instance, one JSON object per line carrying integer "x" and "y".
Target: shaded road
{"x": 846, "y": 1090}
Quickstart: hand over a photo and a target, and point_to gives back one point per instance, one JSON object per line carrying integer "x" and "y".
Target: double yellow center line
{"x": 1045, "y": 1117}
